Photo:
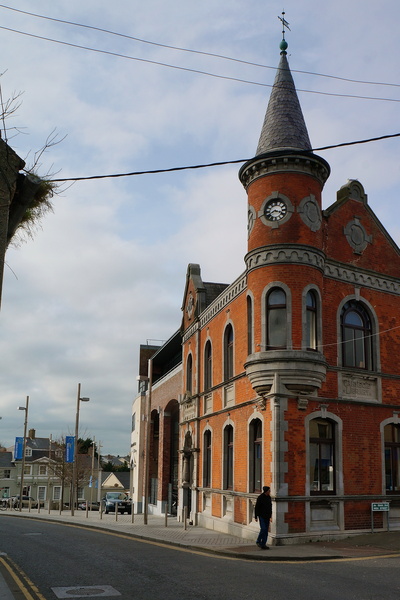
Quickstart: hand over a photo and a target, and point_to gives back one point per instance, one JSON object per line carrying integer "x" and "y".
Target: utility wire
{"x": 203, "y": 53}
{"x": 215, "y": 164}
{"x": 199, "y": 72}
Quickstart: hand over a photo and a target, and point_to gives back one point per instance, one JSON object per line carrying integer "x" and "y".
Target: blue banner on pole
{"x": 18, "y": 448}
{"x": 69, "y": 448}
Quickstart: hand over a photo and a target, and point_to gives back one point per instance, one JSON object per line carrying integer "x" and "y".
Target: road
{"x": 56, "y": 556}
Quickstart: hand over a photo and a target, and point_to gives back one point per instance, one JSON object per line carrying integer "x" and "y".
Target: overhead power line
{"x": 201, "y": 52}
{"x": 197, "y": 71}
{"x": 214, "y": 164}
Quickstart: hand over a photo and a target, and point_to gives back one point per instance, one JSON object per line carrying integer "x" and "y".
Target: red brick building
{"x": 290, "y": 375}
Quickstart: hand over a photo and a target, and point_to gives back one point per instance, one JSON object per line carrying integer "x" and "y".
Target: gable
{"x": 112, "y": 481}
{"x": 354, "y": 235}
{"x": 197, "y": 295}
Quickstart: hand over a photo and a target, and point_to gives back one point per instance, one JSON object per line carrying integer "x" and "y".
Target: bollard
{"x": 116, "y": 512}
{"x": 166, "y": 515}
{"x": 185, "y": 517}
{"x": 132, "y": 514}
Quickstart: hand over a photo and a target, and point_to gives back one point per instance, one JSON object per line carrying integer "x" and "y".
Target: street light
{"x": 74, "y": 486}
{"x": 147, "y": 450}
{"x": 21, "y": 489}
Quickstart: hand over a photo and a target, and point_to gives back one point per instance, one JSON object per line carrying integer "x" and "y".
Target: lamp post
{"x": 91, "y": 477}
{"x": 21, "y": 489}
{"x": 74, "y": 486}
{"x": 147, "y": 451}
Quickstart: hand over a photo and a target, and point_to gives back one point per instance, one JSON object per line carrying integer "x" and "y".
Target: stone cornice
{"x": 224, "y": 299}
{"x": 284, "y": 162}
{"x": 362, "y": 277}
{"x": 191, "y": 330}
{"x": 306, "y": 255}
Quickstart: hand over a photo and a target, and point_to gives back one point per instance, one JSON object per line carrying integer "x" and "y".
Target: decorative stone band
{"x": 284, "y": 162}
{"x": 362, "y": 278}
{"x": 293, "y": 254}
{"x": 304, "y": 255}
{"x": 285, "y": 253}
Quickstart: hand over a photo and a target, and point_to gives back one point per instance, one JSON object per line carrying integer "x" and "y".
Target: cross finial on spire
{"x": 283, "y": 44}
{"x": 284, "y": 24}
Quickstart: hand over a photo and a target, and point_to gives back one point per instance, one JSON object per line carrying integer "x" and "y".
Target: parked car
{"x": 119, "y": 500}
{"x": 26, "y": 502}
{"x": 92, "y": 505}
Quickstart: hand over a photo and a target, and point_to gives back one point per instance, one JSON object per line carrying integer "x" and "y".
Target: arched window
{"x": 207, "y": 459}
{"x": 276, "y": 319}
{"x": 255, "y": 454}
{"x": 311, "y": 321}
{"x": 228, "y": 352}
{"x": 356, "y": 336}
{"x": 392, "y": 458}
{"x": 228, "y": 458}
{"x": 322, "y": 456}
{"x": 249, "y": 325}
{"x": 189, "y": 374}
{"x": 207, "y": 366}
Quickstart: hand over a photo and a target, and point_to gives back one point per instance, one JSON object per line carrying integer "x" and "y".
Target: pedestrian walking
{"x": 263, "y": 514}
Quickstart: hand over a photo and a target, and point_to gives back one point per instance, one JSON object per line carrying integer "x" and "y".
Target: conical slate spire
{"x": 284, "y": 127}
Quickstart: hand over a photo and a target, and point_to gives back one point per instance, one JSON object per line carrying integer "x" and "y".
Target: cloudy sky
{"x": 106, "y": 272}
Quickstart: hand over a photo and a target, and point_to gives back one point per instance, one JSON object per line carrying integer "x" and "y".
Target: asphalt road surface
{"x": 69, "y": 562}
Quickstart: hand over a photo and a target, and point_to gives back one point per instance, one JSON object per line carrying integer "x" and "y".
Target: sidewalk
{"x": 206, "y": 540}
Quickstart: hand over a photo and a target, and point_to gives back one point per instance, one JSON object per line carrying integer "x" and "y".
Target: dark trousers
{"x": 263, "y": 535}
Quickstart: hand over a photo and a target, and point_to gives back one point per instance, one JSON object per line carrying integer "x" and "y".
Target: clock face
{"x": 275, "y": 210}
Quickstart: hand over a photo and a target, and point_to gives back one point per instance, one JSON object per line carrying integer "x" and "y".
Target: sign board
{"x": 69, "y": 448}
{"x": 18, "y": 448}
{"x": 380, "y": 506}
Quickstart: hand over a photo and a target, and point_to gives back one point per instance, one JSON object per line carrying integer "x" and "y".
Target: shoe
{"x": 264, "y": 547}
{"x": 258, "y": 544}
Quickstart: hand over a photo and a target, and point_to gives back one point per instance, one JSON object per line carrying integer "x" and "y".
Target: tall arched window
{"x": 276, "y": 319}
{"x": 392, "y": 457}
{"x": 356, "y": 336}
{"x": 249, "y": 325}
{"x": 207, "y": 366}
{"x": 207, "y": 459}
{"x": 228, "y": 352}
{"x": 255, "y": 454}
{"x": 322, "y": 456}
{"x": 311, "y": 321}
{"x": 189, "y": 374}
{"x": 228, "y": 458}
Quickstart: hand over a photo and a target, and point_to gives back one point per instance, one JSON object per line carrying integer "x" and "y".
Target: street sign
{"x": 380, "y": 506}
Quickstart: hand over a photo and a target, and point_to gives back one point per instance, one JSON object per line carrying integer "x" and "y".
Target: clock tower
{"x": 285, "y": 257}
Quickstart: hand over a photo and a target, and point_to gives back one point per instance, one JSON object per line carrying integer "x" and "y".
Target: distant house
{"x": 7, "y": 474}
{"x": 115, "y": 481}
{"x": 47, "y": 477}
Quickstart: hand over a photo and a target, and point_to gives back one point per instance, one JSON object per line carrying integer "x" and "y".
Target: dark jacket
{"x": 263, "y": 507}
